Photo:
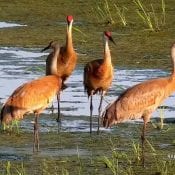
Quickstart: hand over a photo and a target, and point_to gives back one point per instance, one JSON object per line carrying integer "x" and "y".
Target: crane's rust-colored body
{"x": 98, "y": 75}
{"x": 32, "y": 97}
{"x": 140, "y": 100}
{"x": 66, "y": 59}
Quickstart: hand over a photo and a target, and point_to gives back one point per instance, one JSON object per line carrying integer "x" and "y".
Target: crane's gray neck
{"x": 53, "y": 66}
{"x": 173, "y": 58}
{"x": 69, "y": 45}
{"x": 107, "y": 54}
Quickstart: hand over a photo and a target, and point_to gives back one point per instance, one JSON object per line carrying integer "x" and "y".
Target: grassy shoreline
{"x": 80, "y": 153}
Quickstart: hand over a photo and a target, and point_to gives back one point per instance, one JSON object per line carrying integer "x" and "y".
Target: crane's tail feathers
{"x": 2, "y": 113}
{"x": 6, "y": 114}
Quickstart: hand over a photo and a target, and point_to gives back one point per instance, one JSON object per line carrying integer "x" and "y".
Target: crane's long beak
{"x": 112, "y": 40}
{"x": 46, "y": 48}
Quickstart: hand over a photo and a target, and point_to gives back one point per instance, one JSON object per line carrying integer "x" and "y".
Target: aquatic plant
{"x": 112, "y": 164}
{"x": 121, "y": 14}
{"x": 107, "y": 14}
{"x": 143, "y": 14}
{"x": 35, "y": 68}
{"x": 8, "y": 168}
{"x": 13, "y": 127}
{"x": 164, "y": 166}
{"x": 103, "y": 12}
{"x": 65, "y": 171}
{"x": 150, "y": 146}
{"x": 117, "y": 163}
{"x": 19, "y": 170}
{"x": 163, "y": 12}
{"x": 79, "y": 162}
{"x": 83, "y": 35}
{"x": 159, "y": 125}
{"x": 136, "y": 151}
{"x": 149, "y": 17}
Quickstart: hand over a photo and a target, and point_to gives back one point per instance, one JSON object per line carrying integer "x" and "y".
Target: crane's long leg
{"x": 58, "y": 101}
{"x": 91, "y": 110}
{"x": 99, "y": 110}
{"x": 52, "y": 108}
{"x": 143, "y": 142}
{"x": 36, "y": 134}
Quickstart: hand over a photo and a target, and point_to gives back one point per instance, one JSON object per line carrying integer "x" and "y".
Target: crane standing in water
{"x": 98, "y": 75}
{"x": 140, "y": 101}
{"x": 66, "y": 59}
{"x": 33, "y": 97}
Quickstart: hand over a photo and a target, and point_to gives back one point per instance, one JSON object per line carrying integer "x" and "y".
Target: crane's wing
{"x": 146, "y": 95}
{"x": 35, "y": 94}
{"x": 92, "y": 68}
{"x": 49, "y": 61}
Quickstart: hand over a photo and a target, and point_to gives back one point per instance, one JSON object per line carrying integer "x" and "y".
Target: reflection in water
{"x": 18, "y": 65}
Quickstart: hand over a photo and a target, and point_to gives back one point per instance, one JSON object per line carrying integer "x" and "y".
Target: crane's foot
{"x": 36, "y": 135}
{"x": 59, "y": 124}
{"x": 58, "y": 121}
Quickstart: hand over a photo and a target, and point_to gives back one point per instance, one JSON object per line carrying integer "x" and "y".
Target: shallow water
{"x": 8, "y": 24}
{"x": 19, "y": 65}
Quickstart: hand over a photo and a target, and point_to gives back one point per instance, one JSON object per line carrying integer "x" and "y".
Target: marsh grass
{"x": 110, "y": 14}
{"x": 65, "y": 172}
{"x": 83, "y": 36}
{"x": 136, "y": 151}
{"x": 116, "y": 163}
{"x": 153, "y": 20}
{"x": 112, "y": 160}
{"x": 164, "y": 166}
{"x": 35, "y": 68}
{"x": 106, "y": 13}
{"x": 79, "y": 162}
{"x": 121, "y": 14}
{"x": 13, "y": 127}
{"x": 20, "y": 170}
{"x": 160, "y": 124}
{"x": 103, "y": 12}
{"x": 163, "y": 12}
{"x": 10, "y": 169}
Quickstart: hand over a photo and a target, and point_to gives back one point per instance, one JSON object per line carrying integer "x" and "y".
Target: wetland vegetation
{"x": 144, "y": 33}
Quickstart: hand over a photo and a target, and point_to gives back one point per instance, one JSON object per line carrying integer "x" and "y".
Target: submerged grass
{"x": 10, "y": 169}
{"x": 115, "y": 163}
{"x": 13, "y": 127}
{"x": 109, "y": 153}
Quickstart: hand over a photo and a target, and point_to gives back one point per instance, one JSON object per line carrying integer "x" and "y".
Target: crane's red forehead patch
{"x": 107, "y": 33}
{"x": 69, "y": 18}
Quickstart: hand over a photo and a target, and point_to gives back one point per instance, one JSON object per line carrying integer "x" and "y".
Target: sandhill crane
{"x": 33, "y": 97}
{"x": 140, "y": 100}
{"x": 98, "y": 75}
{"x": 67, "y": 59}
